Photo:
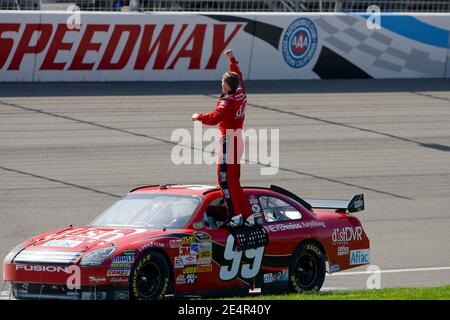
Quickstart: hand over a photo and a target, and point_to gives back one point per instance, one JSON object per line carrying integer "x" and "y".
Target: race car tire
{"x": 307, "y": 268}
{"x": 150, "y": 277}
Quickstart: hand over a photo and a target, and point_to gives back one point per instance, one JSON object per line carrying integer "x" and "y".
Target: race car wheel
{"x": 307, "y": 268}
{"x": 150, "y": 277}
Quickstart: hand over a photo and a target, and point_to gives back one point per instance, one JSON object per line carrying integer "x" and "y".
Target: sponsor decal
{"x": 121, "y": 295}
{"x": 205, "y": 253}
{"x": 129, "y": 252}
{"x": 187, "y": 240}
{"x": 188, "y": 260}
{"x": 314, "y": 224}
{"x": 91, "y": 235}
{"x": 195, "y": 247}
{"x": 285, "y": 275}
{"x": 294, "y": 226}
{"x": 252, "y": 200}
{"x": 205, "y": 246}
{"x": 204, "y": 268}
{"x": 190, "y": 270}
{"x": 191, "y": 278}
{"x": 178, "y": 263}
{"x": 118, "y": 273}
{"x": 268, "y": 278}
{"x": 299, "y": 43}
{"x": 151, "y": 245}
{"x": 185, "y": 251}
{"x": 334, "y": 268}
{"x": 95, "y": 279}
{"x": 39, "y": 268}
{"x": 175, "y": 243}
{"x": 123, "y": 259}
{"x": 99, "y": 295}
{"x": 276, "y": 277}
{"x": 181, "y": 279}
{"x": 283, "y": 227}
{"x": 345, "y": 235}
{"x": 256, "y": 208}
{"x": 359, "y": 256}
{"x": 202, "y": 237}
{"x": 62, "y": 243}
{"x": 343, "y": 251}
{"x": 120, "y": 266}
{"x": 204, "y": 260}
{"x": 358, "y": 203}
{"x": 120, "y": 279}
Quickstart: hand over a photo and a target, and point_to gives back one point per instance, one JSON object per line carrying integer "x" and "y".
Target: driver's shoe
{"x": 236, "y": 221}
{"x": 254, "y": 220}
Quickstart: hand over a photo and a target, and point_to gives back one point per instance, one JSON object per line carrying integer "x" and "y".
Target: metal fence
{"x": 230, "y": 5}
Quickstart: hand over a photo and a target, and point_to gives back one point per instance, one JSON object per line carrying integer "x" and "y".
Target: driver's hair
{"x": 232, "y": 79}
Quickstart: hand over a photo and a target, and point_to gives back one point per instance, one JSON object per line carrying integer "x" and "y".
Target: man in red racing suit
{"x": 229, "y": 115}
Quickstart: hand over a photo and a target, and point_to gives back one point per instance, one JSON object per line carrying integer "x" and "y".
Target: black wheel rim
{"x": 148, "y": 280}
{"x": 306, "y": 270}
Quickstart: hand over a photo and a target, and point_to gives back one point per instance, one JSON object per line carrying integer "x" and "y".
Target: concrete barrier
{"x": 74, "y": 46}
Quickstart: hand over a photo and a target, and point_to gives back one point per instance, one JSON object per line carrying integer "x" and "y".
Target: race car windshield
{"x": 149, "y": 211}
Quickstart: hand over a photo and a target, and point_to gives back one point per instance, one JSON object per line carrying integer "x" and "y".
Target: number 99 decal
{"x": 248, "y": 270}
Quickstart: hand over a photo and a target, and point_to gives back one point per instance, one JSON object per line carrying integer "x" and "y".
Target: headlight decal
{"x": 97, "y": 257}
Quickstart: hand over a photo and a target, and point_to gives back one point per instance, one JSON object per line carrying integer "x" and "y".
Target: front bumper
{"x": 27, "y": 291}
{"x": 50, "y": 281}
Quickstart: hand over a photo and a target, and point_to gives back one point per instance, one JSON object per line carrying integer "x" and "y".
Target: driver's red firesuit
{"x": 229, "y": 115}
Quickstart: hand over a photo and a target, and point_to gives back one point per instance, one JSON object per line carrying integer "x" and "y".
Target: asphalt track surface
{"x": 67, "y": 151}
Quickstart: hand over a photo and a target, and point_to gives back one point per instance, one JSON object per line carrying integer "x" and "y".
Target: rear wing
{"x": 356, "y": 204}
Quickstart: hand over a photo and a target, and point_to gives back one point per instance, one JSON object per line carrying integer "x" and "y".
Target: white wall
{"x": 334, "y": 46}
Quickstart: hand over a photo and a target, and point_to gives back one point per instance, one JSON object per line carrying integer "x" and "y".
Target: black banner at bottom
{"x": 217, "y": 309}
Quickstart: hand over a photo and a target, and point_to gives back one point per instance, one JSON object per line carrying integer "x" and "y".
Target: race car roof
{"x": 191, "y": 189}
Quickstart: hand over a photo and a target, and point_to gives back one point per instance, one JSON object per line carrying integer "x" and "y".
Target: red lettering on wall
{"x": 86, "y": 45}
{"x": 220, "y": 43}
{"x": 24, "y": 47}
{"x": 6, "y": 45}
{"x": 133, "y": 34}
{"x": 56, "y": 45}
{"x": 163, "y": 45}
{"x": 162, "y": 42}
{"x": 197, "y": 38}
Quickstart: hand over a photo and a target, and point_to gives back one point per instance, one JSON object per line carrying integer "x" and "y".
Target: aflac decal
{"x": 299, "y": 42}
{"x": 359, "y": 257}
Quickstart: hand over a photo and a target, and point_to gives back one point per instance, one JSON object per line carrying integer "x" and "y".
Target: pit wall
{"x": 59, "y": 46}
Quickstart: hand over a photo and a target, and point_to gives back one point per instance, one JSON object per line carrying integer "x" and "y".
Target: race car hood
{"x": 68, "y": 245}
{"x": 82, "y": 239}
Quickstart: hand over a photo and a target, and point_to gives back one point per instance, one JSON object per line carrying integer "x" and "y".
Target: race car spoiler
{"x": 356, "y": 204}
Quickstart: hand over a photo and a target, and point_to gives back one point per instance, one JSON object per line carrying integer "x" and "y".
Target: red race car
{"x": 172, "y": 240}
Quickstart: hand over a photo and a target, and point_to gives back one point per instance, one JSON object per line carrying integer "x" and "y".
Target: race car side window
{"x": 216, "y": 214}
{"x": 277, "y": 210}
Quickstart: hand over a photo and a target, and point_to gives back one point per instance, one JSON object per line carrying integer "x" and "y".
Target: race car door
{"x": 232, "y": 268}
